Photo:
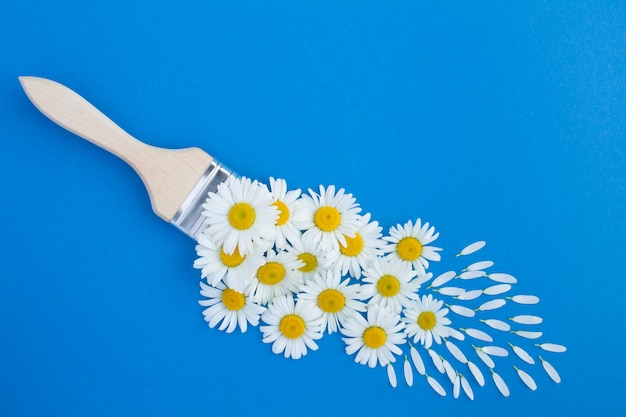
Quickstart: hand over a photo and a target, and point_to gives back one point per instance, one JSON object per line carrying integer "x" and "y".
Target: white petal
{"x": 443, "y": 278}
{"x": 408, "y": 372}
{"x": 456, "y": 387}
{"x": 469, "y": 249}
{"x": 526, "y": 319}
{"x": 552, "y": 347}
{"x": 503, "y": 278}
{"x": 467, "y": 388}
{"x": 528, "y": 335}
{"x": 497, "y": 289}
{"x": 436, "y": 360}
{"x": 470, "y": 295}
{"x": 526, "y": 379}
{"x": 478, "y": 376}
{"x": 497, "y": 324}
{"x": 492, "y": 304}
{"x": 495, "y": 351}
{"x": 450, "y": 372}
{"x": 552, "y": 373}
{"x": 471, "y": 274}
{"x": 502, "y": 387}
{"x": 462, "y": 311}
{"x": 478, "y": 334}
{"x": 455, "y": 334}
{"x": 525, "y": 299}
{"x": 451, "y": 291}
{"x": 523, "y": 355}
{"x": 479, "y": 266}
{"x": 417, "y": 361}
{"x": 391, "y": 375}
{"x": 456, "y": 352}
{"x": 436, "y": 386}
{"x": 485, "y": 358}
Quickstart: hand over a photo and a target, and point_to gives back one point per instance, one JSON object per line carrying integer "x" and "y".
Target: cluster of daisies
{"x": 307, "y": 264}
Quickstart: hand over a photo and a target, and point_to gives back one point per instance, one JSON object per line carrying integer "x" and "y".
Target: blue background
{"x": 502, "y": 122}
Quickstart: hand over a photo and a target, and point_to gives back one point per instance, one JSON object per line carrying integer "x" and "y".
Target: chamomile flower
{"x": 426, "y": 320}
{"x": 328, "y": 217}
{"x": 284, "y": 201}
{"x": 334, "y": 300}
{"x": 216, "y": 265}
{"x": 229, "y": 307}
{"x": 314, "y": 259}
{"x": 239, "y": 215}
{"x": 375, "y": 340}
{"x": 291, "y": 327}
{"x": 390, "y": 284}
{"x": 275, "y": 277}
{"x": 408, "y": 244}
{"x": 360, "y": 250}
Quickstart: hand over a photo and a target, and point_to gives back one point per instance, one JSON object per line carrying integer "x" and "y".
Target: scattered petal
{"x": 552, "y": 347}
{"x": 450, "y": 372}
{"x": 495, "y": 351}
{"x": 502, "y": 387}
{"x": 456, "y": 352}
{"x": 526, "y": 319}
{"x": 527, "y": 334}
{"x": 456, "y": 386}
{"x": 455, "y": 334}
{"x": 436, "y": 385}
{"x": 552, "y": 373}
{"x": 471, "y": 274}
{"x": 478, "y": 376}
{"x": 408, "y": 372}
{"x": 526, "y": 379}
{"x": 503, "y": 278}
{"x": 523, "y": 355}
{"x": 474, "y": 247}
{"x": 524, "y": 299}
{"x": 485, "y": 358}
{"x": 470, "y": 295}
{"x": 437, "y": 361}
{"x": 391, "y": 375}
{"x": 451, "y": 291}
{"x": 479, "y": 266}
{"x": 417, "y": 361}
{"x": 492, "y": 304}
{"x": 497, "y": 324}
{"x": 461, "y": 310}
{"x": 497, "y": 289}
{"x": 443, "y": 278}
{"x": 478, "y": 334}
{"x": 467, "y": 388}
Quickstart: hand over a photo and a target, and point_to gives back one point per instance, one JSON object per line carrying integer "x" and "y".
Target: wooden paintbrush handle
{"x": 168, "y": 174}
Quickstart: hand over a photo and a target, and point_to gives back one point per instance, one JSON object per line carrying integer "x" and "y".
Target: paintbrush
{"x": 177, "y": 180}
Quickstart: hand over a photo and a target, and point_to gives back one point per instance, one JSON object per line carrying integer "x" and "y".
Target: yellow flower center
{"x": 426, "y": 320}
{"x": 354, "y": 245}
{"x": 271, "y": 273}
{"x": 327, "y": 218}
{"x": 283, "y": 212}
{"x": 310, "y": 262}
{"x": 292, "y": 326}
{"x": 331, "y": 301}
{"x": 388, "y": 286}
{"x": 241, "y": 216}
{"x": 233, "y": 300}
{"x": 233, "y": 260}
{"x": 409, "y": 249}
{"x": 374, "y": 337}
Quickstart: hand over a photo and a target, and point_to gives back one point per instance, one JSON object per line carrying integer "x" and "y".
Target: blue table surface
{"x": 496, "y": 122}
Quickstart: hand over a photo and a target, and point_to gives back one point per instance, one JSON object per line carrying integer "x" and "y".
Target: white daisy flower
{"x": 426, "y": 320}
{"x": 334, "y": 301}
{"x": 328, "y": 217}
{"x": 390, "y": 284}
{"x": 285, "y": 202}
{"x": 313, "y": 258}
{"x": 291, "y": 327}
{"x": 360, "y": 250}
{"x": 408, "y": 244}
{"x": 240, "y": 214}
{"x": 235, "y": 270}
{"x": 275, "y": 277}
{"x": 229, "y": 307}
{"x": 375, "y": 340}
